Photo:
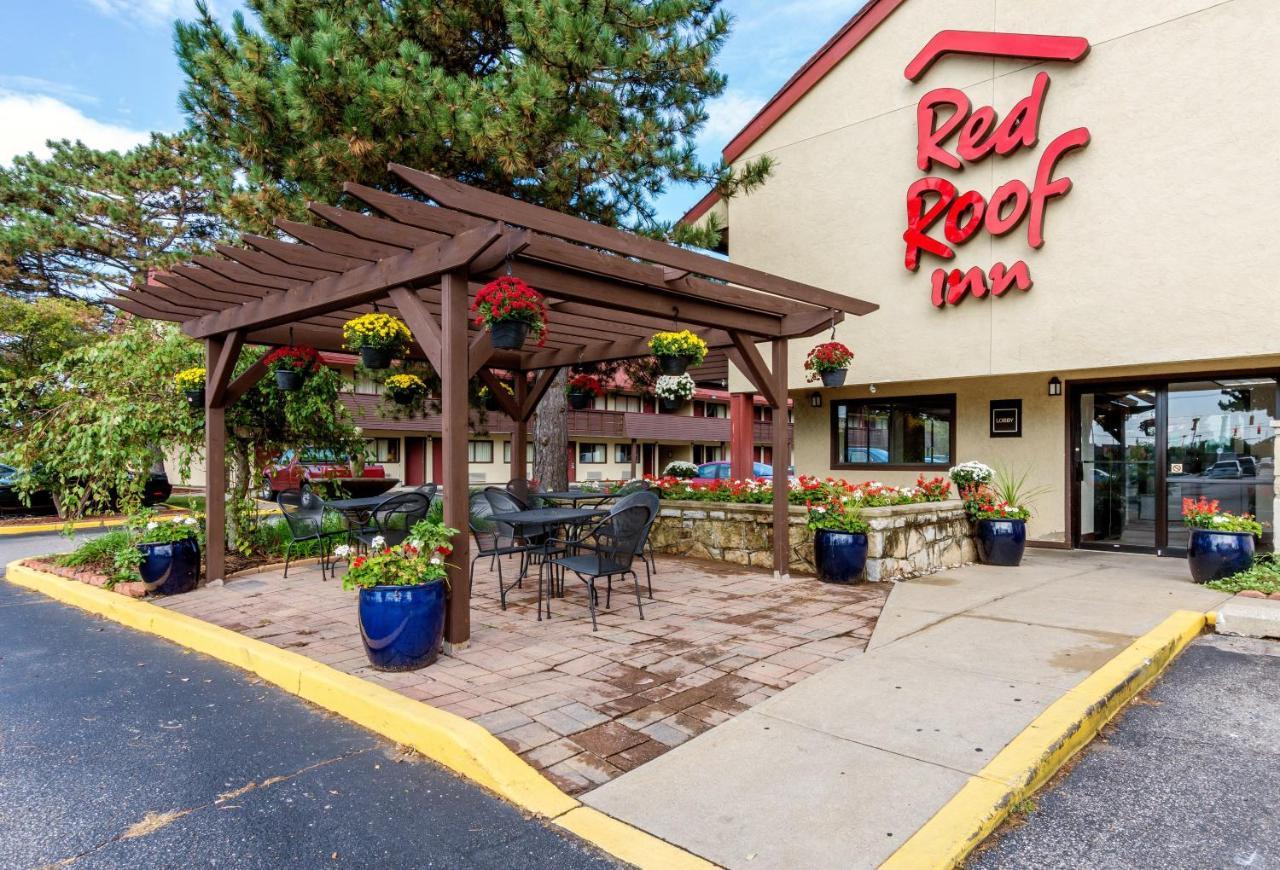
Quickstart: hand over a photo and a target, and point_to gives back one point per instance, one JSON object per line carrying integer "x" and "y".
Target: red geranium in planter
{"x": 291, "y": 364}
{"x": 828, "y": 361}
{"x": 581, "y": 390}
{"x": 511, "y": 310}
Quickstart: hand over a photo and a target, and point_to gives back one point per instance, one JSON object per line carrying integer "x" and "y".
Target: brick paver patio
{"x": 583, "y": 707}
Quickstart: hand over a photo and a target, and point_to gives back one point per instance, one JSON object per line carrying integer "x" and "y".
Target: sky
{"x": 104, "y": 71}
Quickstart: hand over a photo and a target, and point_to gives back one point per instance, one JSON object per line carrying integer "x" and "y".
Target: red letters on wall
{"x": 951, "y": 133}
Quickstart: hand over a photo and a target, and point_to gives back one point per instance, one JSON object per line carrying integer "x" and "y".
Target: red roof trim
{"x": 814, "y": 69}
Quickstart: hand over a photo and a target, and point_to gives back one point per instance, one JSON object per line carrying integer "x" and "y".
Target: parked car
{"x": 157, "y": 490}
{"x": 1248, "y": 466}
{"x": 709, "y": 472}
{"x": 302, "y": 470}
{"x": 1225, "y": 468}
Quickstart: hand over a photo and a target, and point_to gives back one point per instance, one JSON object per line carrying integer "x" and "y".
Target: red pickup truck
{"x": 297, "y": 471}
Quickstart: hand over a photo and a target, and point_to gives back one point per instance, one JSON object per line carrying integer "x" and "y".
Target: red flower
{"x": 509, "y": 298}
{"x": 298, "y": 357}
{"x": 359, "y": 562}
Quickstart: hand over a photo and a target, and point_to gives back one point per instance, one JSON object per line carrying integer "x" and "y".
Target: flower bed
{"x": 911, "y": 530}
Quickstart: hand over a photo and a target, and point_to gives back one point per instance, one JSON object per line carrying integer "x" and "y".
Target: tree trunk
{"x": 551, "y": 437}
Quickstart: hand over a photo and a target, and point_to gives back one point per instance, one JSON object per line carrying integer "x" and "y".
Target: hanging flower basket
{"x": 291, "y": 365}
{"x": 512, "y": 311}
{"x": 490, "y": 401}
{"x": 378, "y": 338}
{"x": 673, "y": 391}
{"x": 829, "y": 362}
{"x": 404, "y": 389}
{"x": 191, "y": 383}
{"x": 677, "y": 351}
{"x": 583, "y": 390}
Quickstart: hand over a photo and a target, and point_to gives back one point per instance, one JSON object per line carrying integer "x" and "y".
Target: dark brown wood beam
{"x": 454, "y": 436}
{"x": 245, "y": 275}
{"x": 480, "y": 352}
{"x": 246, "y": 381}
{"x": 335, "y": 242}
{"x": 375, "y": 229}
{"x": 415, "y": 214}
{"x": 228, "y": 354}
{"x": 421, "y": 322}
{"x": 300, "y": 255}
{"x": 482, "y": 204}
{"x": 269, "y": 265}
{"x": 754, "y": 367}
{"x": 362, "y": 284}
{"x": 539, "y": 389}
{"x": 506, "y": 401}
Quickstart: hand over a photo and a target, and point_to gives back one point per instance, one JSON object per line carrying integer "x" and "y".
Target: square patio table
{"x": 540, "y": 519}
{"x": 573, "y": 495}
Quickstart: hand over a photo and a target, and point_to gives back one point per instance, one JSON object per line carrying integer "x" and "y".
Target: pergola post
{"x": 781, "y": 464}
{"x": 215, "y": 451}
{"x": 453, "y": 404}
{"x": 741, "y": 435}
{"x": 520, "y": 437}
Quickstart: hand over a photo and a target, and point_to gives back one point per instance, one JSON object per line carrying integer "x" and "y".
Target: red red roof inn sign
{"x": 950, "y": 132}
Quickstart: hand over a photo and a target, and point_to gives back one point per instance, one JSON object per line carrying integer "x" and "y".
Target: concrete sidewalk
{"x": 842, "y": 768}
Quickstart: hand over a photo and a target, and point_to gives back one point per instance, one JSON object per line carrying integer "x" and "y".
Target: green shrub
{"x": 114, "y": 555}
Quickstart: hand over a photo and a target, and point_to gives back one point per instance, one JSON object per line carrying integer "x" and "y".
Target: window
{"x": 480, "y": 451}
{"x": 622, "y": 453}
{"x": 382, "y": 449}
{"x": 715, "y": 409}
{"x": 589, "y": 454}
{"x": 365, "y": 385}
{"x": 916, "y": 432}
{"x": 627, "y": 403}
{"x": 506, "y": 452}
{"x": 707, "y": 453}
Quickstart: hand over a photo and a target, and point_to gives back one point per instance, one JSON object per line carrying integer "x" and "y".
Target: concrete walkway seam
{"x": 457, "y": 743}
{"x": 1043, "y": 747}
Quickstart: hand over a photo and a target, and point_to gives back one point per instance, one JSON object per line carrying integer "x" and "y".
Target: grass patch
{"x": 1263, "y": 576}
{"x": 189, "y": 502}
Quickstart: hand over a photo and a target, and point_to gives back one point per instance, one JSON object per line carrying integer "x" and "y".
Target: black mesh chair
{"x": 608, "y": 550}
{"x": 526, "y": 491}
{"x": 644, "y": 548}
{"x": 428, "y": 489}
{"x": 494, "y": 540}
{"x": 394, "y": 518}
{"x": 303, "y": 513}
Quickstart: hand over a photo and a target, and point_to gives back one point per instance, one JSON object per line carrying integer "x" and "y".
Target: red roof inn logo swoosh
{"x": 1025, "y": 46}
{"x": 946, "y": 114}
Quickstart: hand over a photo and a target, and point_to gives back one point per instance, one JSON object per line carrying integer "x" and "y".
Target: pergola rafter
{"x": 607, "y": 291}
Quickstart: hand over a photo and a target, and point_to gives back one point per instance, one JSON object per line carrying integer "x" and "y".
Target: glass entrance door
{"x": 1116, "y": 468}
{"x": 1140, "y": 449}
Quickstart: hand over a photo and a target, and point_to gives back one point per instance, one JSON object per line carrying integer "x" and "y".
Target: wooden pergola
{"x": 607, "y": 291}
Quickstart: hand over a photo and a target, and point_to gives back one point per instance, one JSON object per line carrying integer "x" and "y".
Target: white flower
{"x": 1219, "y": 520}
{"x": 342, "y": 551}
{"x": 151, "y": 525}
{"x": 191, "y": 521}
{"x": 413, "y": 542}
{"x": 437, "y": 559}
{"x": 378, "y": 542}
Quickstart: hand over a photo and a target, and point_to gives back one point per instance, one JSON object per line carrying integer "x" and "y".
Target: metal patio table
{"x": 574, "y": 496}
{"x": 543, "y": 519}
{"x": 356, "y": 510}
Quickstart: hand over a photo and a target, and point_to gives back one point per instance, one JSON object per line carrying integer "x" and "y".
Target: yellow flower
{"x": 405, "y": 382}
{"x": 376, "y": 330}
{"x": 683, "y": 343}
{"x": 190, "y": 379}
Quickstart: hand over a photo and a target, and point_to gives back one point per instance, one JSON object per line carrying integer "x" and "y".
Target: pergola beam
{"x": 754, "y": 367}
{"x": 506, "y": 401}
{"x": 361, "y": 284}
{"x": 426, "y": 332}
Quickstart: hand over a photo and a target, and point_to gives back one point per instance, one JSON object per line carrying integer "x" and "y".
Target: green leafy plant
{"x": 1006, "y": 497}
{"x": 837, "y": 513}
{"x": 1263, "y": 576}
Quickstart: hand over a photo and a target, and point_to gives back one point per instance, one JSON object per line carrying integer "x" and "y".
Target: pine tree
{"x": 586, "y": 106}
{"x": 84, "y": 223}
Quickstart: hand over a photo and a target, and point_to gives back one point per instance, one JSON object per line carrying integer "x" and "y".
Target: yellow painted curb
{"x": 459, "y": 744}
{"x": 77, "y": 525}
{"x": 1043, "y": 747}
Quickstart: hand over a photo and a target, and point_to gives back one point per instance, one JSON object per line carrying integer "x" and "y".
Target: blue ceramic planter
{"x": 402, "y": 625}
{"x": 1214, "y": 555}
{"x": 170, "y": 568}
{"x": 1002, "y": 542}
{"x": 841, "y": 557}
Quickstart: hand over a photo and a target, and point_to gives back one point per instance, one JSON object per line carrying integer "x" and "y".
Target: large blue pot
{"x": 840, "y": 557}
{"x": 402, "y": 625}
{"x": 1002, "y": 542}
{"x": 170, "y": 568}
{"x": 1215, "y": 555}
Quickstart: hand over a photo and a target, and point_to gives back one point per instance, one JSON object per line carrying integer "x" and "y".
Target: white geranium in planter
{"x": 681, "y": 469}
{"x": 673, "y": 391}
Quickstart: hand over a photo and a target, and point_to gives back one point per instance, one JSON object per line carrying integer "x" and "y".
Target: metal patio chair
{"x": 394, "y": 518}
{"x": 494, "y": 539}
{"x": 303, "y": 514}
{"x": 606, "y": 550}
{"x": 644, "y": 549}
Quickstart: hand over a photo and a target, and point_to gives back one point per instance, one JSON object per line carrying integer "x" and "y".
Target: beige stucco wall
{"x": 1162, "y": 223}
{"x": 1154, "y": 262}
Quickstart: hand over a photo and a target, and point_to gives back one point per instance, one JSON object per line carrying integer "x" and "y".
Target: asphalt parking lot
{"x": 1188, "y": 777}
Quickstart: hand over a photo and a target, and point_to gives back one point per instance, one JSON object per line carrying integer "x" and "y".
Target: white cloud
{"x": 726, "y": 115}
{"x": 153, "y": 12}
{"x": 27, "y": 120}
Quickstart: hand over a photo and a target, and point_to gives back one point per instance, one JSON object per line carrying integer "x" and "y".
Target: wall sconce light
{"x": 1055, "y": 386}
{"x": 872, "y": 387}
{"x": 815, "y": 399}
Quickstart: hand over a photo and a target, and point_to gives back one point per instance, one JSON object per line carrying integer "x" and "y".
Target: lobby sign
{"x": 1006, "y": 418}
{"x": 940, "y": 217}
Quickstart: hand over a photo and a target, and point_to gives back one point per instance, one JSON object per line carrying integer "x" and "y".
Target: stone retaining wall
{"x": 904, "y": 541}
